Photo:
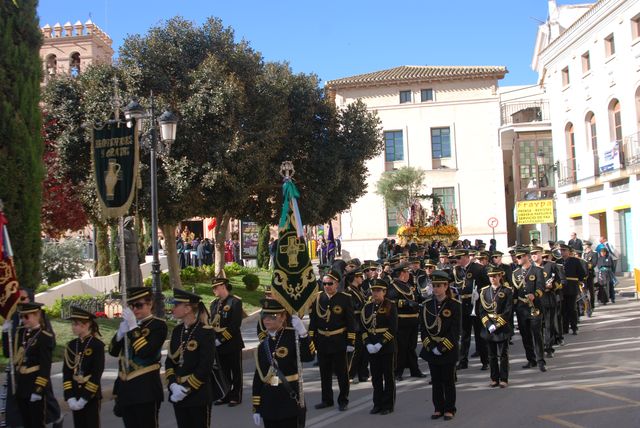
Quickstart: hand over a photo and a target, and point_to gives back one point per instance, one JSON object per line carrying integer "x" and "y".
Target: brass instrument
{"x": 535, "y": 312}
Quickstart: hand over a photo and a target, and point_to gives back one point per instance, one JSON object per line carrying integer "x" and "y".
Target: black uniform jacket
{"x": 440, "y": 328}
{"x": 528, "y": 281}
{"x": 407, "y": 300}
{"x": 551, "y": 278}
{"x": 575, "y": 274}
{"x": 466, "y": 278}
{"x": 592, "y": 259}
{"x": 226, "y": 319}
{"x": 380, "y": 323}
{"x": 270, "y": 397}
{"x": 82, "y": 369}
{"x": 495, "y": 309}
{"x": 191, "y": 355}
{"x": 332, "y": 324}
{"x": 32, "y": 355}
{"x": 358, "y": 300}
{"x": 139, "y": 380}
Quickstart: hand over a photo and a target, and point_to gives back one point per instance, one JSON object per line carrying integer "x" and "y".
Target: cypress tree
{"x": 21, "y": 144}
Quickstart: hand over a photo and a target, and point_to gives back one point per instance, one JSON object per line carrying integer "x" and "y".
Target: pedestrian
{"x": 83, "y": 368}
{"x": 276, "y": 389}
{"x": 379, "y": 318}
{"x": 226, "y": 319}
{"x": 138, "y": 387}
{"x": 332, "y": 329}
{"x": 575, "y": 242}
{"x": 440, "y": 319}
{"x": 496, "y": 301}
{"x": 613, "y": 253}
{"x": 604, "y": 266}
{"x": 189, "y": 360}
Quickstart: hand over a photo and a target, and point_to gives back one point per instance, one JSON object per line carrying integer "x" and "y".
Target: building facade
{"x": 590, "y": 70}
{"x": 444, "y": 120}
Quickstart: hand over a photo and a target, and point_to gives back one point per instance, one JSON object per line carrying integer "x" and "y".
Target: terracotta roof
{"x": 417, "y": 73}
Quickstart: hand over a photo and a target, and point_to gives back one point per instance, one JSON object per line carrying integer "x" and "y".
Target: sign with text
{"x": 535, "y": 212}
{"x": 114, "y": 151}
{"x": 249, "y": 236}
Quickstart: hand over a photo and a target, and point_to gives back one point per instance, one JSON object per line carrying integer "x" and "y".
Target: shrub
{"x": 189, "y": 275}
{"x": 62, "y": 260}
{"x": 164, "y": 281}
{"x": 251, "y": 281}
{"x": 234, "y": 269}
{"x": 55, "y": 310}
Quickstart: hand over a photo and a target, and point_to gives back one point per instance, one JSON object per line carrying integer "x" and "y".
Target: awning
{"x": 576, "y": 215}
{"x": 622, "y": 207}
{"x": 600, "y": 211}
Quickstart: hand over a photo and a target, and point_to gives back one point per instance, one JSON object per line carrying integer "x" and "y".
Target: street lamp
{"x": 542, "y": 173}
{"x": 168, "y": 123}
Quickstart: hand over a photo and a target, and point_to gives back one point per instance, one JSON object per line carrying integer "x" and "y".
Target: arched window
{"x": 592, "y": 139}
{"x": 52, "y": 64}
{"x": 74, "y": 64}
{"x": 615, "y": 120}
{"x": 571, "y": 152}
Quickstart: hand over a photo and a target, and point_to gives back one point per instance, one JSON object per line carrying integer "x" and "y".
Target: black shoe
{"x": 475, "y": 355}
{"x": 221, "y": 402}
{"x": 529, "y": 365}
{"x": 375, "y": 410}
{"x": 574, "y": 332}
{"x": 484, "y": 367}
{"x": 419, "y": 375}
{"x": 386, "y": 412}
{"x": 342, "y": 407}
{"x": 436, "y": 416}
{"x": 233, "y": 403}
{"x": 462, "y": 366}
{"x": 542, "y": 367}
{"x": 399, "y": 378}
{"x": 448, "y": 417}
{"x": 323, "y": 405}
{"x": 363, "y": 379}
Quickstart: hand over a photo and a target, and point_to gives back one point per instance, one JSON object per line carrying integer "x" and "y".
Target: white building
{"x": 444, "y": 120}
{"x": 590, "y": 68}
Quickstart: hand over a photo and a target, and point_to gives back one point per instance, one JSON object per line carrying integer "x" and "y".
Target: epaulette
{"x": 506, "y": 284}
{"x": 159, "y": 319}
{"x": 485, "y": 287}
{"x": 345, "y": 293}
{"x": 456, "y": 300}
{"x": 46, "y": 333}
{"x": 289, "y": 328}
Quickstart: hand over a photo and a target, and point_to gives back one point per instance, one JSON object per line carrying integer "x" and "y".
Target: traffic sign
{"x": 493, "y": 222}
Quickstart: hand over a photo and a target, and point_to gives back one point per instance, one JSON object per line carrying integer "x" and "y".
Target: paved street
{"x": 593, "y": 381}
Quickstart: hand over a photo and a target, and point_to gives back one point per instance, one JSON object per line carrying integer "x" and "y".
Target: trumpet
{"x": 549, "y": 283}
{"x": 535, "y": 312}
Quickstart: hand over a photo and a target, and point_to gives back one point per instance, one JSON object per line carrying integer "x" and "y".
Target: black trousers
{"x": 359, "y": 360}
{"x": 141, "y": 415}
{"x": 330, "y": 364}
{"x": 481, "y": 344}
{"x": 499, "y": 360}
{"x": 465, "y": 335}
{"x": 570, "y": 312}
{"x": 383, "y": 380}
{"x": 284, "y": 423}
{"x": 550, "y": 327}
{"x": 560, "y": 321}
{"x": 196, "y": 417}
{"x": 531, "y": 332}
{"x": 34, "y": 414}
{"x": 231, "y": 365}
{"x": 89, "y": 416}
{"x": 592, "y": 291}
{"x": 407, "y": 339}
{"x": 443, "y": 387}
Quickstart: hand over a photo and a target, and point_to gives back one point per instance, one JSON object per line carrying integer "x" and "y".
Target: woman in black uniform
{"x": 440, "y": 333}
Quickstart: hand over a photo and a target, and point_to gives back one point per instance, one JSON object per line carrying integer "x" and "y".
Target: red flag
{"x": 213, "y": 223}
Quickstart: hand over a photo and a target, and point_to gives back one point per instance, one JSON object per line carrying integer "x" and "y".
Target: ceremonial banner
{"x": 293, "y": 283}
{"x": 9, "y": 289}
{"x": 535, "y": 212}
{"x": 331, "y": 244}
{"x": 114, "y": 151}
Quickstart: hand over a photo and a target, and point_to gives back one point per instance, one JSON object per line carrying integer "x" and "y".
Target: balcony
{"x": 631, "y": 151}
{"x": 566, "y": 171}
{"x": 534, "y": 111}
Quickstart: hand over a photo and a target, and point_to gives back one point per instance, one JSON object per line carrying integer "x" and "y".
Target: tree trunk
{"x": 102, "y": 245}
{"x": 221, "y": 234}
{"x": 114, "y": 254}
{"x": 141, "y": 231}
{"x": 169, "y": 233}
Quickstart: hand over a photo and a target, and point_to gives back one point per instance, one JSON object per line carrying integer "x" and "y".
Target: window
{"x": 635, "y": 26}
{"x": 426, "y": 95}
{"x": 393, "y": 146}
{"x": 609, "y": 45}
{"x": 565, "y": 76}
{"x": 392, "y": 221}
{"x": 616, "y": 120}
{"x": 405, "y": 97}
{"x": 446, "y": 197}
{"x": 74, "y": 64}
{"x": 440, "y": 143}
{"x": 586, "y": 62}
{"x": 591, "y": 131}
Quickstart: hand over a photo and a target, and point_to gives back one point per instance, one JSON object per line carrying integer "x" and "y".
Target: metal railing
{"x": 566, "y": 171}
{"x": 631, "y": 150}
{"x": 533, "y": 111}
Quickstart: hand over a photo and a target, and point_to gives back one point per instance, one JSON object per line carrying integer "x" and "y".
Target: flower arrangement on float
{"x": 422, "y": 228}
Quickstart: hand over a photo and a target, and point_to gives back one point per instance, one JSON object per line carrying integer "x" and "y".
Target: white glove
{"x": 492, "y": 328}
{"x": 80, "y": 404}
{"x": 7, "y": 325}
{"x": 350, "y": 348}
{"x": 475, "y": 295}
{"x": 130, "y": 318}
{"x": 297, "y": 323}
{"x": 257, "y": 419}
{"x": 178, "y": 392}
{"x": 378, "y": 346}
{"x": 35, "y": 397}
{"x": 371, "y": 349}
{"x": 218, "y": 343}
{"x": 73, "y": 403}
{"x": 436, "y": 352}
{"x": 122, "y": 330}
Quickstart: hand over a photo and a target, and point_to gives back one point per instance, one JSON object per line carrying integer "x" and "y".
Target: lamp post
{"x": 168, "y": 126}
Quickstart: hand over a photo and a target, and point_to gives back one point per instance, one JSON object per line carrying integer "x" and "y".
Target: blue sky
{"x": 336, "y": 39}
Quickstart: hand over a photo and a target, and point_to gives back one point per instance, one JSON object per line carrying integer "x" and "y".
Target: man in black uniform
{"x": 470, "y": 278}
{"x": 574, "y": 273}
{"x": 407, "y": 300}
{"x": 226, "y": 319}
{"x": 443, "y": 262}
{"x": 358, "y": 359}
{"x": 591, "y": 258}
{"x": 138, "y": 388}
{"x": 528, "y": 281}
{"x": 379, "y": 318}
{"x": 370, "y": 269}
{"x": 548, "y": 299}
{"x": 189, "y": 361}
{"x": 332, "y": 329}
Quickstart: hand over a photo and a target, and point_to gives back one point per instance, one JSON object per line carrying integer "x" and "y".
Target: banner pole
{"x": 11, "y": 362}
{"x": 123, "y": 286}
